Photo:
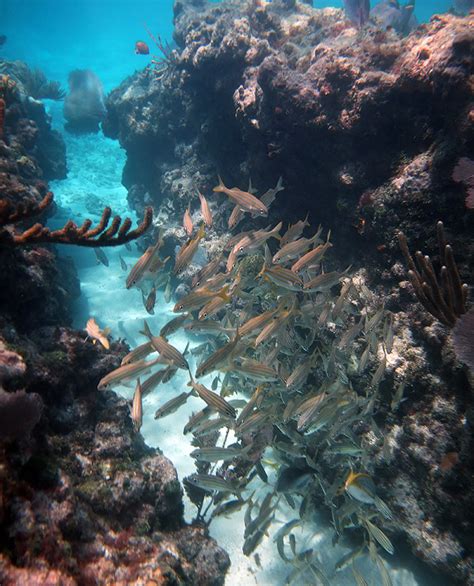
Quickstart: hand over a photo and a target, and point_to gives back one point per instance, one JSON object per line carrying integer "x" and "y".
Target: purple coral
{"x": 463, "y": 338}
{"x": 464, "y": 173}
{"x": 19, "y": 413}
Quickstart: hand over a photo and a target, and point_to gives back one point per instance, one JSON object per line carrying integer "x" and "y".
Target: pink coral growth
{"x": 464, "y": 173}
{"x": 463, "y": 338}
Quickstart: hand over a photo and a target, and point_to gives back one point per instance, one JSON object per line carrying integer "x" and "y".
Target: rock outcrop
{"x": 82, "y": 499}
{"x": 366, "y": 128}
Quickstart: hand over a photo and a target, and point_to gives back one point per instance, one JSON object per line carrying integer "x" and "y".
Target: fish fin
{"x": 105, "y": 342}
{"x": 277, "y": 229}
{"x": 202, "y": 231}
{"x": 224, "y": 293}
{"x": 146, "y": 330}
{"x": 262, "y": 272}
{"x": 220, "y": 186}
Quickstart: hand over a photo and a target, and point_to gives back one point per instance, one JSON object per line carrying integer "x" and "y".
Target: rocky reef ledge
{"x": 366, "y": 128}
{"x": 82, "y": 499}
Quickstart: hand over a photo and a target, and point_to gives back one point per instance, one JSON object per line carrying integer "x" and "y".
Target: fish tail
{"x": 262, "y": 272}
{"x": 220, "y": 186}
{"x": 224, "y": 293}
{"x": 237, "y": 336}
{"x": 276, "y": 230}
{"x": 146, "y": 330}
{"x": 202, "y": 231}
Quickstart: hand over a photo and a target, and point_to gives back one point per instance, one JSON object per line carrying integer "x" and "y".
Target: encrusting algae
{"x": 307, "y": 350}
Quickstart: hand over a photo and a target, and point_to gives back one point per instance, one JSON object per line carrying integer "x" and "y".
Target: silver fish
{"x": 212, "y": 483}
{"x": 187, "y": 252}
{"x": 269, "y": 196}
{"x": 101, "y": 256}
{"x": 138, "y": 353}
{"x": 294, "y": 231}
{"x": 235, "y": 217}
{"x": 207, "y": 271}
{"x": 216, "y": 454}
{"x": 253, "y": 240}
{"x": 125, "y": 373}
{"x": 188, "y": 222}
{"x": 172, "y": 405}
{"x": 173, "y": 325}
{"x": 166, "y": 350}
{"x": 219, "y": 357}
{"x": 214, "y": 401}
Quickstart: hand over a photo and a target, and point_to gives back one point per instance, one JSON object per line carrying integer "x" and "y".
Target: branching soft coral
{"x": 443, "y": 295}
{"x": 102, "y": 235}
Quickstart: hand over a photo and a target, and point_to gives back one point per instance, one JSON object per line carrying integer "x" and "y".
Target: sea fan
{"x": 19, "y": 413}
{"x": 463, "y": 339}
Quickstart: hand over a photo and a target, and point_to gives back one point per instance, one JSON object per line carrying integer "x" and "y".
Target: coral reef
{"x": 366, "y": 128}
{"x": 84, "y": 499}
{"x": 36, "y": 148}
{"x": 32, "y": 82}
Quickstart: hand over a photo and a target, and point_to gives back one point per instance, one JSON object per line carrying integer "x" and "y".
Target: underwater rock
{"x": 76, "y": 480}
{"x": 89, "y": 483}
{"x": 33, "y": 289}
{"x": 366, "y": 128}
{"x": 28, "y": 124}
{"x": 84, "y": 106}
{"x": 392, "y": 14}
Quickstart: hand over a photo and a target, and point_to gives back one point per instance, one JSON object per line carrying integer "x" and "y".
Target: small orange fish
{"x": 141, "y": 48}
{"x": 136, "y": 408}
{"x": 188, "y": 222}
{"x": 205, "y": 210}
{"x": 97, "y": 335}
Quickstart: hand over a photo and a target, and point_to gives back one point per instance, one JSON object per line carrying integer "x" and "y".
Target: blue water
{"x": 60, "y": 35}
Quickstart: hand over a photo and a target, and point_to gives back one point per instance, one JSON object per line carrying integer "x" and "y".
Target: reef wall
{"x": 366, "y": 128}
{"x": 82, "y": 499}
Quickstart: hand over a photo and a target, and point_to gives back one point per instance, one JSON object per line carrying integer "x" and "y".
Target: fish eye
{"x": 241, "y": 249}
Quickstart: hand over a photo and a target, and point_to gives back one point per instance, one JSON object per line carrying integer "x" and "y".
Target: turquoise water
{"x": 100, "y": 34}
{"x": 59, "y": 37}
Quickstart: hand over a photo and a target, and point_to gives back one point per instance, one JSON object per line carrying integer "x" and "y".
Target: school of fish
{"x": 294, "y": 355}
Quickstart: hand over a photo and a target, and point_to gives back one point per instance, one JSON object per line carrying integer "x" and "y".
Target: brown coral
{"x": 102, "y": 235}
{"x": 443, "y": 295}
